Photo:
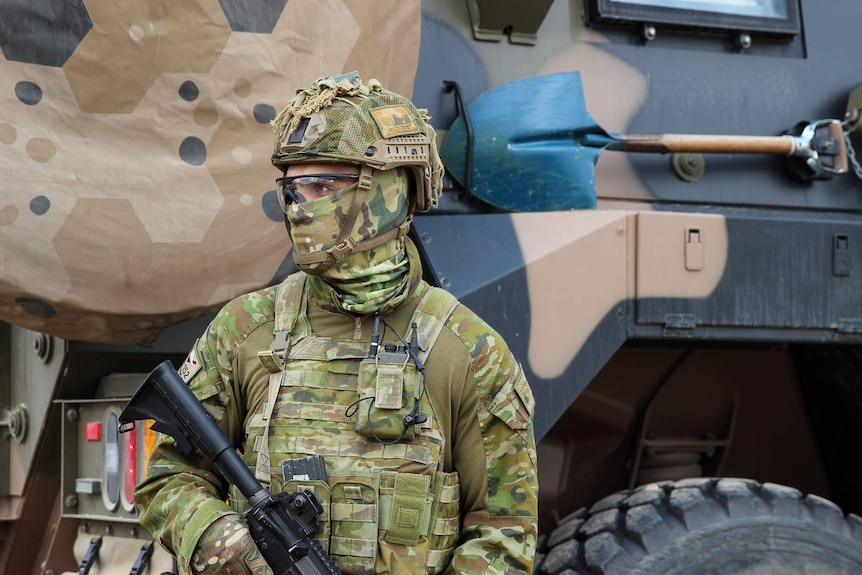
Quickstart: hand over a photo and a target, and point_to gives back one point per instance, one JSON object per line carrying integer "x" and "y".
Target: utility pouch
{"x": 387, "y": 390}
{"x": 408, "y": 515}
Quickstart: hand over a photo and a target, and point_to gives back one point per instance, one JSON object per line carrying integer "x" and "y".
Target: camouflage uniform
{"x": 280, "y": 370}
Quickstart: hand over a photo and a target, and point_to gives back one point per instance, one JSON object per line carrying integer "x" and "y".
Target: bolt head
{"x": 649, "y": 33}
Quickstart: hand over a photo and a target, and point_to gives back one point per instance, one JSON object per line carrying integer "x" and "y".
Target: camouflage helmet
{"x": 342, "y": 119}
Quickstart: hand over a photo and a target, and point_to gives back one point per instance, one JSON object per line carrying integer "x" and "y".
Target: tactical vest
{"x": 388, "y": 507}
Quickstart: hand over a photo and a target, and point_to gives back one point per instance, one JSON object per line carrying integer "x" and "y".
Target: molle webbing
{"x": 291, "y": 325}
{"x": 290, "y": 305}
{"x": 430, "y": 316}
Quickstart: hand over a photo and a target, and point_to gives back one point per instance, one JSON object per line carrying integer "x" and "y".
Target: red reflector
{"x": 130, "y": 466}
{"x": 93, "y": 431}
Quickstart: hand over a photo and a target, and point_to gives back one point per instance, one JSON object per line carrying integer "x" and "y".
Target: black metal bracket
{"x": 461, "y": 110}
{"x": 91, "y": 556}
{"x": 143, "y": 559}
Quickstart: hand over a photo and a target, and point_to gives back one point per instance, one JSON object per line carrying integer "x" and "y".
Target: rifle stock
{"x": 281, "y": 525}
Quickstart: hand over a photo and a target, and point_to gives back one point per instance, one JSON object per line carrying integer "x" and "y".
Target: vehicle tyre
{"x": 705, "y": 527}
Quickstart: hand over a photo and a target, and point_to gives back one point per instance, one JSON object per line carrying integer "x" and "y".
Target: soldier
{"x": 420, "y": 412}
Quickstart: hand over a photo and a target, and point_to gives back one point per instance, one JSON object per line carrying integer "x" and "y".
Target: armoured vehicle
{"x": 690, "y": 322}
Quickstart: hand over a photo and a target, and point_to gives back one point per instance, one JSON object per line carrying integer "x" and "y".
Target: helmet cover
{"x": 342, "y": 119}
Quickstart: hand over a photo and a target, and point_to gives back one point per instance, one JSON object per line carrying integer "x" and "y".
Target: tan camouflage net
{"x": 137, "y": 186}
{"x": 312, "y": 101}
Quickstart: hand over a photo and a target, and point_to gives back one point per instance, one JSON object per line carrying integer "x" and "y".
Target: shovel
{"x": 853, "y": 122}
{"x": 533, "y": 146}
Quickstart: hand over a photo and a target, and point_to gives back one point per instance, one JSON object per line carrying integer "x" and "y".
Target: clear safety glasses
{"x": 299, "y": 189}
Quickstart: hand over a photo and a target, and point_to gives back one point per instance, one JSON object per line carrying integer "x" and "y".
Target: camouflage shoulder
{"x": 505, "y": 417}
{"x": 241, "y": 316}
{"x": 491, "y": 360}
{"x": 502, "y": 384}
{"x": 207, "y": 367}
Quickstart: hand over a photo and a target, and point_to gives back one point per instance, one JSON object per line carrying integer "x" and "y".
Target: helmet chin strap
{"x": 345, "y": 246}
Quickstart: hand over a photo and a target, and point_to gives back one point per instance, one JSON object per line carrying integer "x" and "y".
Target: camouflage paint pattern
{"x": 136, "y": 150}
{"x": 602, "y": 242}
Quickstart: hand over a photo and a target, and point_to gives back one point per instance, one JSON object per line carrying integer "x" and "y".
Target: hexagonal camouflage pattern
{"x": 136, "y": 147}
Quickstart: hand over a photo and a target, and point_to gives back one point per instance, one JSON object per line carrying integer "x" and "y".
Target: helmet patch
{"x": 394, "y": 121}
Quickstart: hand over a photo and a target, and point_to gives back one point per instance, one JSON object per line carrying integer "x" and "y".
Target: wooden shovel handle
{"x": 839, "y": 162}
{"x": 668, "y": 143}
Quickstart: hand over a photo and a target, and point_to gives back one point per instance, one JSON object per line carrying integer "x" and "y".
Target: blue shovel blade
{"x": 535, "y": 146}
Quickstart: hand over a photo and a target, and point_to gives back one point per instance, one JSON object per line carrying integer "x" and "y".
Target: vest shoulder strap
{"x": 289, "y": 302}
{"x": 289, "y": 307}
{"x": 435, "y": 307}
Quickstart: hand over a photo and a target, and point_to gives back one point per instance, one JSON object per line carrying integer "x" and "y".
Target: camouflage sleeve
{"x": 182, "y": 496}
{"x": 499, "y": 533}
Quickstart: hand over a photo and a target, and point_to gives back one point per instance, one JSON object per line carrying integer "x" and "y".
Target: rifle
{"x": 282, "y": 525}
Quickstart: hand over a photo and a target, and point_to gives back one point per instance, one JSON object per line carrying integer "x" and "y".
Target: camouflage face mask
{"x": 364, "y": 281}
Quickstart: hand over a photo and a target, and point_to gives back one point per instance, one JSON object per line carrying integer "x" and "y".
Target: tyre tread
{"x": 614, "y": 535}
